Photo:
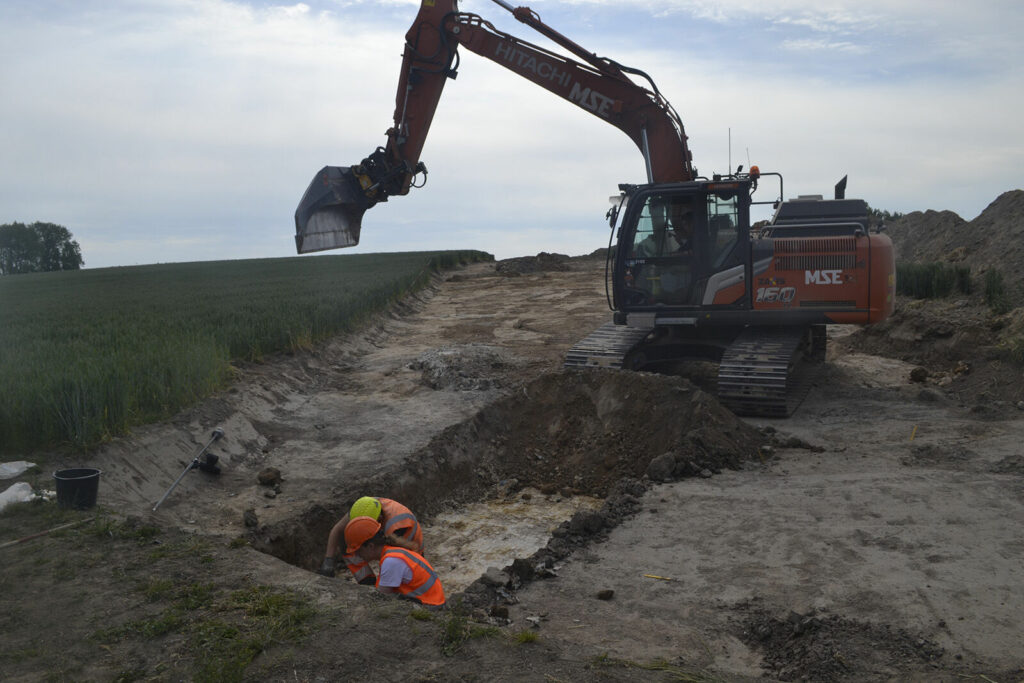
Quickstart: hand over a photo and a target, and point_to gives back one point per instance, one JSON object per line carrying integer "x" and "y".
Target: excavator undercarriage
{"x": 762, "y": 371}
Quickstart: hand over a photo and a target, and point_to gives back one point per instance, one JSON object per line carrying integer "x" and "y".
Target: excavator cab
{"x": 678, "y": 245}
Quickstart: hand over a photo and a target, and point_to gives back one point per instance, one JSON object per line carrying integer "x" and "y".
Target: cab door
{"x": 723, "y": 279}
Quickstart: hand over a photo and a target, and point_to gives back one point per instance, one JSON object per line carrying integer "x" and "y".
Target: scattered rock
{"x": 270, "y": 476}
{"x": 586, "y": 523}
{"x": 662, "y": 467}
{"x": 495, "y": 577}
{"x": 918, "y": 374}
{"x": 522, "y": 569}
{"x": 250, "y": 519}
{"x": 467, "y": 367}
{"x": 606, "y": 594}
{"x": 499, "y": 611}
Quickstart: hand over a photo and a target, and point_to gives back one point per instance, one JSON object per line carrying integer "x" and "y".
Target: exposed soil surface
{"x": 875, "y": 535}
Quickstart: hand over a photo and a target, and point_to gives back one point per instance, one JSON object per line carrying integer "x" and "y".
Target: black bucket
{"x": 76, "y": 488}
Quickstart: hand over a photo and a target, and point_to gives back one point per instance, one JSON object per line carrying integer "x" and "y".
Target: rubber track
{"x": 760, "y": 373}
{"x": 605, "y": 347}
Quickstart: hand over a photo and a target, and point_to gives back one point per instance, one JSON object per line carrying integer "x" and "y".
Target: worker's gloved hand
{"x": 327, "y": 568}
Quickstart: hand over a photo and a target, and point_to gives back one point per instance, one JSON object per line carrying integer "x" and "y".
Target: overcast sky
{"x": 187, "y": 130}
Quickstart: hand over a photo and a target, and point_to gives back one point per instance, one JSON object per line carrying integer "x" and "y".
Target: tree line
{"x": 37, "y": 248}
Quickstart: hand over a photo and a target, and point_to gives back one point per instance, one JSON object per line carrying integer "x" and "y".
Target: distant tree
{"x": 879, "y": 216}
{"x": 39, "y": 247}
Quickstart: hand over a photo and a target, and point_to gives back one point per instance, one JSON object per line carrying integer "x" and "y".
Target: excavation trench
{"x": 537, "y": 473}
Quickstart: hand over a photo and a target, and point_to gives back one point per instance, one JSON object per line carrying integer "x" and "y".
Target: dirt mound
{"x": 583, "y": 431}
{"x": 926, "y": 235}
{"x": 995, "y": 239}
{"x": 533, "y": 264}
{"x": 959, "y": 346}
{"x": 813, "y": 647}
{"x": 466, "y": 367}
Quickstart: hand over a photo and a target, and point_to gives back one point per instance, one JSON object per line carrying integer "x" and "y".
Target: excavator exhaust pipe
{"x": 330, "y": 214}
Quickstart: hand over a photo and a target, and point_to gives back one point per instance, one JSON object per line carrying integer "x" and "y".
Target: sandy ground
{"x": 920, "y": 534}
{"x": 891, "y": 549}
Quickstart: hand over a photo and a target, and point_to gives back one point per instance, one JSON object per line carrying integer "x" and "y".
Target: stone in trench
{"x": 494, "y": 577}
{"x": 606, "y": 594}
{"x": 270, "y": 476}
{"x": 918, "y": 374}
{"x": 586, "y": 522}
{"x": 522, "y": 569}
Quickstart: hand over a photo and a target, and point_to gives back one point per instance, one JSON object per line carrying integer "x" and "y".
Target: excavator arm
{"x": 330, "y": 213}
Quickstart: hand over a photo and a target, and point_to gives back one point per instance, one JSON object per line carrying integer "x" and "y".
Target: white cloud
{"x": 821, "y": 44}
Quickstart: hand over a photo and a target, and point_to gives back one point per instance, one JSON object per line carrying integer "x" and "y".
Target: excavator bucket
{"x": 331, "y": 211}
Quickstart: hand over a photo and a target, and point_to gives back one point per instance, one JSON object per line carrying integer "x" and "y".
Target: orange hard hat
{"x": 358, "y": 531}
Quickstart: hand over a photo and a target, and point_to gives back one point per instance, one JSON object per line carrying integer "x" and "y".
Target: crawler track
{"x": 763, "y": 372}
{"x": 605, "y": 347}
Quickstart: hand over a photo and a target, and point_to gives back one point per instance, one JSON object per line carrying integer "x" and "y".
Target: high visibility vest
{"x": 425, "y": 586}
{"x": 395, "y": 517}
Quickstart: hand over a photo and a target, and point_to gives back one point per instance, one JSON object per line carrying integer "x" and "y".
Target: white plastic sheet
{"x": 10, "y": 470}
{"x": 16, "y": 493}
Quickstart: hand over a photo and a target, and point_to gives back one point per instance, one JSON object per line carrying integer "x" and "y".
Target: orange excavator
{"x": 688, "y": 276}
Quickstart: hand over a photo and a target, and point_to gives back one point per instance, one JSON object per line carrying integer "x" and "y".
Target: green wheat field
{"x": 85, "y": 355}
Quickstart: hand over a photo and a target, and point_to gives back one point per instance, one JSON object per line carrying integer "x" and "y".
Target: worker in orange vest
{"x": 400, "y": 525}
{"x": 402, "y": 571}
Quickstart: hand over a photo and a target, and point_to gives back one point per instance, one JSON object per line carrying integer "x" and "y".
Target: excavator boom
{"x": 329, "y": 216}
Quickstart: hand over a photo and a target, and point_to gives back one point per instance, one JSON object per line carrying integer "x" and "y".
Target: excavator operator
{"x": 666, "y": 278}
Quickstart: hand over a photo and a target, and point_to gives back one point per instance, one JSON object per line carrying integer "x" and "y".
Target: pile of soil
{"x": 995, "y": 239}
{"x": 959, "y": 346}
{"x": 468, "y": 367}
{"x": 533, "y": 264}
{"x": 825, "y": 647}
{"x": 581, "y": 432}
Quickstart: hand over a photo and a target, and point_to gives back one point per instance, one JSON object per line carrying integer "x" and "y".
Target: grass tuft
{"x": 525, "y": 636}
{"x": 995, "y": 293}
{"x": 932, "y": 280}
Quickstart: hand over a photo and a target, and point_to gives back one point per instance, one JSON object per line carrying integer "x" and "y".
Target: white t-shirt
{"x": 393, "y": 573}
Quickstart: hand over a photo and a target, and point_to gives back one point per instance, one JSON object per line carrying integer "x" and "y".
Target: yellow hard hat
{"x": 358, "y": 531}
{"x": 366, "y": 506}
